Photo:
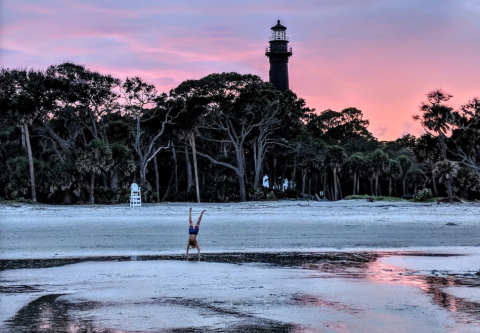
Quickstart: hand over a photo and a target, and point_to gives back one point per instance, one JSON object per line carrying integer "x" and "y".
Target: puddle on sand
{"x": 53, "y": 313}
{"x": 50, "y": 313}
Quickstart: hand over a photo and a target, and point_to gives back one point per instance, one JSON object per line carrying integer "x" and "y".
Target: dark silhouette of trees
{"x": 69, "y": 134}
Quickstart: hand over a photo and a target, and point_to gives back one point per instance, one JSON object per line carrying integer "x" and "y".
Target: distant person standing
{"x": 193, "y": 232}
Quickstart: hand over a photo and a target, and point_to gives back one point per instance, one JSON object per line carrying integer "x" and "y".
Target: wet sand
{"x": 274, "y": 275}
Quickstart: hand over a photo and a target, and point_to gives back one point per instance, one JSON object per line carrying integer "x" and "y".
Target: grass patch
{"x": 375, "y": 198}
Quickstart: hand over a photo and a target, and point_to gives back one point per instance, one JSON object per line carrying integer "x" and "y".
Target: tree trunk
{"x": 189, "y": 171}
{"x": 24, "y": 145}
{"x": 294, "y": 171}
{"x": 175, "y": 161}
{"x": 157, "y": 182}
{"x": 448, "y": 183}
{"x": 358, "y": 183}
{"x": 335, "y": 187}
{"x": 114, "y": 180}
{"x": 403, "y": 183}
{"x": 371, "y": 186}
{"x": 92, "y": 187}
{"x": 354, "y": 181}
{"x": 304, "y": 179}
{"x": 325, "y": 183}
{"x": 195, "y": 168}
{"x": 389, "y": 186}
{"x": 415, "y": 190}
{"x": 376, "y": 186}
{"x": 434, "y": 182}
{"x": 340, "y": 193}
{"x": 143, "y": 176}
{"x": 30, "y": 162}
{"x": 258, "y": 153}
{"x": 310, "y": 186}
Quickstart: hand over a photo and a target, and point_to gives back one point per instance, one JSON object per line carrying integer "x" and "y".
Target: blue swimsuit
{"x": 193, "y": 231}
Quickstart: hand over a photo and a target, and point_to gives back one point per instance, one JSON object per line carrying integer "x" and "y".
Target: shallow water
{"x": 244, "y": 292}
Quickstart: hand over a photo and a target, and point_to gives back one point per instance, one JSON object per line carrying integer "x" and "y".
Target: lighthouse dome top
{"x": 279, "y": 26}
{"x": 278, "y": 33}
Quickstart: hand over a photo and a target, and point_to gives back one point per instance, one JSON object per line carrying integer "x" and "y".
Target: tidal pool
{"x": 245, "y": 292}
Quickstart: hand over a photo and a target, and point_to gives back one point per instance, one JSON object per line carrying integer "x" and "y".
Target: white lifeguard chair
{"x": 135, "y": 196}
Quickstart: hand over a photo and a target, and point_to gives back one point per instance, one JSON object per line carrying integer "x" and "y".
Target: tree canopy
{"x": 72, "y": 135}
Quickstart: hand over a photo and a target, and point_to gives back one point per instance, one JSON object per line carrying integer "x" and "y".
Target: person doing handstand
{"x": 193, "y": 231}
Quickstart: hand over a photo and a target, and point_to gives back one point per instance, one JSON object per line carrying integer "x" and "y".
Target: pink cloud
{"x": 381, "y": 57}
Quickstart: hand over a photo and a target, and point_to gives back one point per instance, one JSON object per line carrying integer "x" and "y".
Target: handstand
{"x": 193, "y": 231}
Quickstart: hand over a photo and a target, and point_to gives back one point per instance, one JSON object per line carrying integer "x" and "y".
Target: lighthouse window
{"x": 278, "y": 35}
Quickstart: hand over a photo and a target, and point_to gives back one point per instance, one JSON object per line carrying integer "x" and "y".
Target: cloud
{"x": 379, "y": 56}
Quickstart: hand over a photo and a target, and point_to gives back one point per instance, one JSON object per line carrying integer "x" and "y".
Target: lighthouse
{"x": 278, "y": 53}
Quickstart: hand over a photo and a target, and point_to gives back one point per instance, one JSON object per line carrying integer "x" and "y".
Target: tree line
{"x": 72, "y": 135}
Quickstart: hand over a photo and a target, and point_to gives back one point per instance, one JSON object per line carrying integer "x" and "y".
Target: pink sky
{"x": 381, "y": 57}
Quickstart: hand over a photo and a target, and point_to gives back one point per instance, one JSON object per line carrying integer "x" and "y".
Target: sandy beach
{"x": 286, "y": 266}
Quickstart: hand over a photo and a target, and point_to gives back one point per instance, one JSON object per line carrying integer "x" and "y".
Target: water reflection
{"x": 51, "y": 313}
{"x": 378, "y": 272}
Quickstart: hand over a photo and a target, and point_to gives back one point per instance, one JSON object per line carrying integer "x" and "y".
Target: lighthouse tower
{"x": 278, "y": 53}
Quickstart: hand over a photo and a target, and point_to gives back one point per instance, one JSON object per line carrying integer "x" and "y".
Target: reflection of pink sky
{"x": 379, "y": 57}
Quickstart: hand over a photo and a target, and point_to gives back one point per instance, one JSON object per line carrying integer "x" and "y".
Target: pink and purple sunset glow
{"x": 380, "y": 56}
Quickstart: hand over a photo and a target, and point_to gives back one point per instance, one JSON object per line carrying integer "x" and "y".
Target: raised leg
{"x": 200, "y": 217}
{"x": 190, "y": 217}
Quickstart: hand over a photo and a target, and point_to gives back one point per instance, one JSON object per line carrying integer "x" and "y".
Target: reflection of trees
{"x": 49, "y": 314}
{"x": 465, "y": 311}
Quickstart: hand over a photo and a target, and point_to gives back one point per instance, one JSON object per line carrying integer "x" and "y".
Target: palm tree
{"x": 394, "y": 172}
{"x": 122, "y": 164}
{"x": 356, "y": 162}
{"x": 436, "y": 120}
{"x": 336, "y": 157}
{"x": 405, "y": 165}
{"x": 447, "y": 170}
{"x": 427, "y": 150}
{"x": 380, "y": 163}
{"x": 415, "y": 176}
{"x": 96, "y": 157}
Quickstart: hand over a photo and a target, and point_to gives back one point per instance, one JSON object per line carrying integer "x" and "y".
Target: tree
{"x": 436, "y": 120}
{"x": 379, "y": 162}
{"x": 466, "y": 182}
{"x": 447, "y": 170}
{"x": 356, "y": 163}
{"x": 394, "y": 173}
{"x": 238, "y": 110}
{"x": 96, "y": 157}
{"x": 336, "y": 157}
{"x": 415, "y": 176}
{"x": 122, "y": 164}
{"x": 405, "y": 165}
{"x": 466, "y": 135}
{"x": 427, "y": 150}
{"x": 90, "y": 95}
{"x": 147, "y": 109}
{"x": 23, "y": 96}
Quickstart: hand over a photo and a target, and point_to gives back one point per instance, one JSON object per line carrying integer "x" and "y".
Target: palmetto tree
{"x": 336, "y": 158}
{"x": 405, "y": 165}
{"x": 427, "y": 150}
{"x": 436, "y": 120}
{"x": 96, "y": 157}
{"x": 446, "y": 170}
{"x": 122, "y": 164}
{"x": 379, "y": 163}
{"x": 356, "y": 162}
{"x": 415, "y": 176}
{"x": 394, "y": 172}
